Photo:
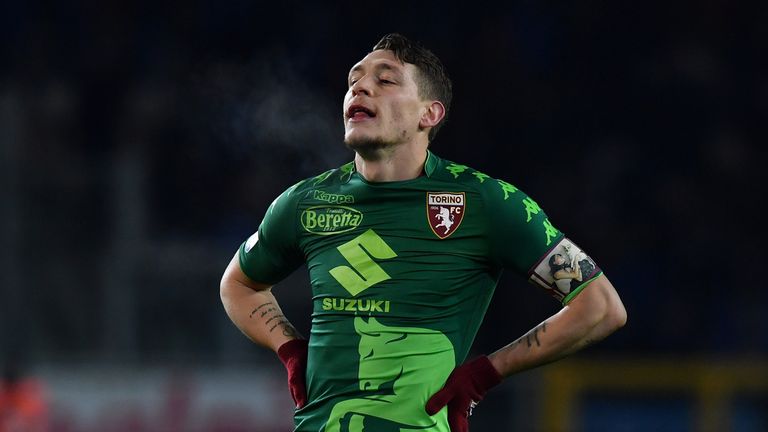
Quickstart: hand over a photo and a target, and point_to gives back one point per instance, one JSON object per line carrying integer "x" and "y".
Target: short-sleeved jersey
{"x": 402, "y": 274}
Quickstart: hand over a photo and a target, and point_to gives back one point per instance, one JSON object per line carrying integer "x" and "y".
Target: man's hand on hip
{"x": 293, "y": 354}
{"x": 464, "y": 388}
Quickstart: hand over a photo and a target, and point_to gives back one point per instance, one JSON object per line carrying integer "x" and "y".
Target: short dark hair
{"x": 432, "y": 80}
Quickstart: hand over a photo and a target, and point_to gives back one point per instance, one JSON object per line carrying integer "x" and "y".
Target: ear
{"x": 434, "y": 113}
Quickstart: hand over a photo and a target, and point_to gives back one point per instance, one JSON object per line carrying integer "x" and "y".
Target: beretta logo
{"x": 445, "y": 211}
{"x": 327, "y": 220}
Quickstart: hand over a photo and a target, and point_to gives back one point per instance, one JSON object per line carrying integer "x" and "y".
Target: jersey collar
{"x": 429, "y": 167}
{"x": 431, "y": 164}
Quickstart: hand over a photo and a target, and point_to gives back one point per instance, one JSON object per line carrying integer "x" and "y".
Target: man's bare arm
{"x": 253, "y": 308}
{"x": 594, "y": 314}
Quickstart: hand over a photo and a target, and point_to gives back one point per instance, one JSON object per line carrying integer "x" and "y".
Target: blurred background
{"x": 141, "y": 143}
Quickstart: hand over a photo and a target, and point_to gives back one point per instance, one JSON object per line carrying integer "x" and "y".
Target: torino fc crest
{"x": 445, "y": 211}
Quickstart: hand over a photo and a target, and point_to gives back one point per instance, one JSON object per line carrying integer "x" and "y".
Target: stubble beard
{"x": 372, "y": 148}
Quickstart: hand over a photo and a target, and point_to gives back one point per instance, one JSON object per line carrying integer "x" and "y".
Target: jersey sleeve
{"x": 523, "y": 239}
{"x": 272, "y": 253}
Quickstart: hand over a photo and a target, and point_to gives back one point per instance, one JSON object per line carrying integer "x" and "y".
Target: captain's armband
{"x": 564, "y": 271}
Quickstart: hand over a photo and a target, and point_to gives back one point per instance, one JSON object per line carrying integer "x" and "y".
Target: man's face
{"x": 382, "y": 107}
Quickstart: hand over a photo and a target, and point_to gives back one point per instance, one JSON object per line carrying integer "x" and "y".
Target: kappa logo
{"x": 445, "y": 211}
{"x": 332, "y": 198}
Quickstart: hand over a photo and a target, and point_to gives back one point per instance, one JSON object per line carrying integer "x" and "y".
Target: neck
{"x": 395, "y": 164}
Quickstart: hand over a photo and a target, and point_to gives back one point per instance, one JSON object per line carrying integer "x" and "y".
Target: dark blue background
{"x": 142, "y": 143}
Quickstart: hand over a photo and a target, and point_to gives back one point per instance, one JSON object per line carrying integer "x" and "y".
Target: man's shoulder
{"x": 447, "y": 170}
{"x": 333, "y": 176}
{"x": 323, "y": 180}
{"x": 450, "y": 171}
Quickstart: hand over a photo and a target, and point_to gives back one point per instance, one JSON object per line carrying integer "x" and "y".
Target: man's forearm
{"x": 545, "y": 343}
{"x": 593, "y": 315}
{"x": 257, "y": 314}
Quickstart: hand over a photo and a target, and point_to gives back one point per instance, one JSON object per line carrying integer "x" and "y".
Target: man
{"x": 404, "y": 250}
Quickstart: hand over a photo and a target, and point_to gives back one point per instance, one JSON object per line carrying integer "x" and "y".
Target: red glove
{"x": 464, "y": 388}
{"x": 293, "y": 354}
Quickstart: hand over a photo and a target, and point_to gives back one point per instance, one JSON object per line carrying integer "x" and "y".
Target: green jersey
{"x": 402, "y": 274}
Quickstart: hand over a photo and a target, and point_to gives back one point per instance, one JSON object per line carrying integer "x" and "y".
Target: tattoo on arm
{"x": 287, "y": 328}
{"x": 279, "y": 323}
{"x": 274, "y": 317}
{"x": 290, "y": 331}
{"x": 271, "y": 313}
{"x": 259, "y": 307}
{"x": 532, "y": 337}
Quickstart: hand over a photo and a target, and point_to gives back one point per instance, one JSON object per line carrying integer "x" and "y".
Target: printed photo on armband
{"x": 563, "y": 269}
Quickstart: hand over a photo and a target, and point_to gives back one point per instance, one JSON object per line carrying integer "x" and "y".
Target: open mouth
{"x": 359, "y": 112}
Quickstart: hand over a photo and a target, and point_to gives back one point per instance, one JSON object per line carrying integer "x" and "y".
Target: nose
{"x": 361, "y": 86}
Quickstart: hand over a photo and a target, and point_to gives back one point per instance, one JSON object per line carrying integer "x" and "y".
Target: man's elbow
{"x": 615, "y": 316}
{"x": 224, "y": 288}
{"x": 608, "y": 306}
{"x": 601, "y": 309}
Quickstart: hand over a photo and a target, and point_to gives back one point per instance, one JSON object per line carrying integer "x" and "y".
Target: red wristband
{"x": 293, "y": 354}
{"x": 292, "y": 349}
{"x": 484, "y": 374}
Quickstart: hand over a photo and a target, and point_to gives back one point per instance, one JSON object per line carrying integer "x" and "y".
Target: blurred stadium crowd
{"x": 140, "y": 143}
